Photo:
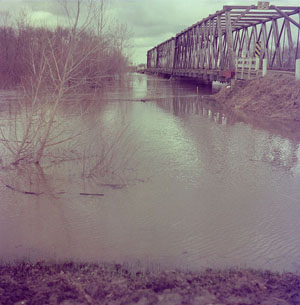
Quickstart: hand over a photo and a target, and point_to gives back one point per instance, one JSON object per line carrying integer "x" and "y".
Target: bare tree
{"x": 53, "y": 66}
{"x": 100, "y": 16}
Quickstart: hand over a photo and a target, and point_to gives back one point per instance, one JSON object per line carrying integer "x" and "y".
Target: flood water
{"x": 185, "y": 184}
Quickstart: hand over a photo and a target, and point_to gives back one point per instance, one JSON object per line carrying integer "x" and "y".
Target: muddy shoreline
{"x": 70, "y": 283}
{"x": 276, "y": 98}
{"x": 271, "y": 103}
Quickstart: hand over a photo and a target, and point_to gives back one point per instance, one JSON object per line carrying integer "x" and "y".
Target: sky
{"x": 149, "y": 22}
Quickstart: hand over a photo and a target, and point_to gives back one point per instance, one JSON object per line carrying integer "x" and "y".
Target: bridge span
{"x": 235, "y": 42}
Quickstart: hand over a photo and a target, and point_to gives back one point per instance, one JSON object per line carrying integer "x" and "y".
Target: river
{"x": 185, "y": 184}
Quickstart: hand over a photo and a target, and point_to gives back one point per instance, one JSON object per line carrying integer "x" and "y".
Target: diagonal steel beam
{"x": 283, "y": 14}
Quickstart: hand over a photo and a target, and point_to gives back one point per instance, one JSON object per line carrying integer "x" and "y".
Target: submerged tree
{"x": 52, "y": 67}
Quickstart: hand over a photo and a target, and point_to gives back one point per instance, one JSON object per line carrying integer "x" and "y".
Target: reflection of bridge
{"x": 267, "y": 147}
{"x": 211, "y": 48}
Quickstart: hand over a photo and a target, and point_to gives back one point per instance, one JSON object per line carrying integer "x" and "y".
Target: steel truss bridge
{"x": 212, "y": 48}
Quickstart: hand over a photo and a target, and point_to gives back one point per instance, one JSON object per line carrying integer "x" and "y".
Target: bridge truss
{"x": 211, "y": 45}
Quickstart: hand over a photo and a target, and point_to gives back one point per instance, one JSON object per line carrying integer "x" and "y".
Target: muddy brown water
{"x": 185, "y": 184}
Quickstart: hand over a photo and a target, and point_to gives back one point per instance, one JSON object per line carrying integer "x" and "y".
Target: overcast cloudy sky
{"x": 150, "y": 21}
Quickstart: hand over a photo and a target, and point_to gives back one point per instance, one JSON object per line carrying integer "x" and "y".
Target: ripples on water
{"x": 187, "y": 185}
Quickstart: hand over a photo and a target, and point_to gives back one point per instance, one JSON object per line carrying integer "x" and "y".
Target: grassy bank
{"x": 274, "y": 97}
{"x": 71, "y": 283}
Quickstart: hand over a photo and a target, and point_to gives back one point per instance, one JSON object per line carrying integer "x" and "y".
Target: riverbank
{"x": 273, "y": 97}
{"x": 71, "y": 283}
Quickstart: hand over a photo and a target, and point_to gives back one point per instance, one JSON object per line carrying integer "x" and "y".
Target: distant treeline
{"x": 26, "y": 50}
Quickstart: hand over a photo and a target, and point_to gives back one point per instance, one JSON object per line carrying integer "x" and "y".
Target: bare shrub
{"x": 54, "y": 66}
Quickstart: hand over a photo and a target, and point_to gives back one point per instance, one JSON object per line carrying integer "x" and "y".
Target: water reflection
{"x": 277, "y": 150}
{"x": 185, "y": 184}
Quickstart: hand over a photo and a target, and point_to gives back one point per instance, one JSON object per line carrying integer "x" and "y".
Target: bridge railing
{"x": 246, "y": 67}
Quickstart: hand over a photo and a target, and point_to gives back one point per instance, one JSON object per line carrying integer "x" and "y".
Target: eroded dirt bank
{"x": 113, "y": 284}
{"x": 275, "y": 97}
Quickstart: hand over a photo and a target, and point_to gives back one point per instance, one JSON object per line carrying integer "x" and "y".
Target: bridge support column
{"x": 297, "y": 73}
{"x": 264, "y": 67}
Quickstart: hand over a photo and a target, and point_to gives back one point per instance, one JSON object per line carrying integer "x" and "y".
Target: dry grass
{"x": 71, "y": 283}
{"x": 277, "y": 97}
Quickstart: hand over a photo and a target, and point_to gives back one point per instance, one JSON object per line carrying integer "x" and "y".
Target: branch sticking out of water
{"x": 23, "y": 192}
{"x": 90, "y": 194}
{"x": 37, "y": 194}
